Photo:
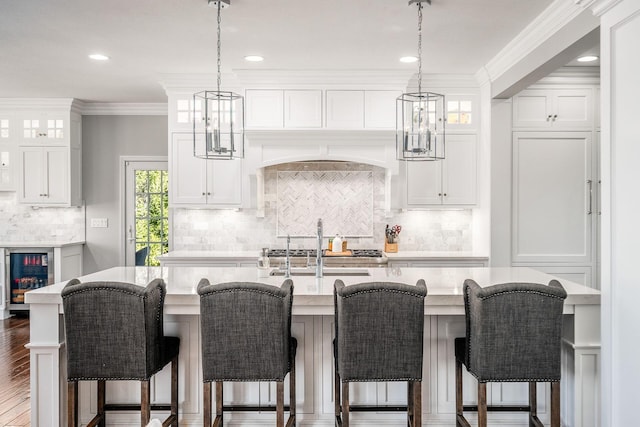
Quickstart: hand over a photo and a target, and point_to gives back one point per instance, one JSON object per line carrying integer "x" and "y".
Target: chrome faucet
{"x": 319, "y": 250}
{"x": 287, "y": 262}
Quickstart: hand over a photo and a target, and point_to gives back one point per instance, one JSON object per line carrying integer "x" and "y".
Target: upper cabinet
{"x": 452, "y": 181}
{"x": 318, "y": 109}
{"x": 41, "y": 152}
{"x": 199, "y": 182}
{"x": 553, "y": 108}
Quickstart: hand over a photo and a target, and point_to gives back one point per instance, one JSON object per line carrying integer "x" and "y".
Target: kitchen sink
{"x": 325, "y": 272}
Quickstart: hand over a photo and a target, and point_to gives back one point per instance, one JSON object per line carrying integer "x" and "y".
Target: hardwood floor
{"x": 14, "y": 373}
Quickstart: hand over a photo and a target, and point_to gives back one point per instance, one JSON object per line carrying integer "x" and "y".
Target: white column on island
{"x": 47, "y": 366}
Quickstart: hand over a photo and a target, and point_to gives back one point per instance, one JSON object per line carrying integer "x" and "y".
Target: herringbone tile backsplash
{"x": 343, "y": 199}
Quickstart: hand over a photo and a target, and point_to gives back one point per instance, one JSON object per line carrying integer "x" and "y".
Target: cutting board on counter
{"x": 348, "y": 252}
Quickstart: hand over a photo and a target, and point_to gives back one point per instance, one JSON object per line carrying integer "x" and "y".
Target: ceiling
{"x": 44, "y": 44}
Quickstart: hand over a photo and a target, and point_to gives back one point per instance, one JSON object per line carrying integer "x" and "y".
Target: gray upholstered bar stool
{"x": 379, "y": 337}
{"x": 246, "y": 336}
{"x": 114, "y": 331}
{"x": 514, "y": 333}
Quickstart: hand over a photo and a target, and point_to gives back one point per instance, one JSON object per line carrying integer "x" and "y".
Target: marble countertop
{"x": 315, "y": 295}
{"x": 40, "y": 244}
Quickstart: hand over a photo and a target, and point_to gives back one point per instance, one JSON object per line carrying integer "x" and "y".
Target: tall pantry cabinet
{"x": 555, "y": 181}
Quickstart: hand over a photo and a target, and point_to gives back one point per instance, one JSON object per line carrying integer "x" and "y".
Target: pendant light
{"x": 220, "y": 133}
{"x": 420, "y": 119}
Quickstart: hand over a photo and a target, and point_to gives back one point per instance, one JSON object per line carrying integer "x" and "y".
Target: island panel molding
{"x": 312, "y": 325}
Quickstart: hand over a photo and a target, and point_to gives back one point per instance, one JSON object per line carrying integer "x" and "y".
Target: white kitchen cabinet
{"x": 43, "y": 127}
{"x": 44, "y": 175}
{"x": 553, "y": 108}
{"x": 380, "y": 109}
{"x": 553, "y": 197}
{"x": 451, "y": 181}
{"x": 265, "y": 109}
{"x": 302, "y": 109}
{"x": 200, "y": 182}
{"x": 345, "y": 109}
{"x": 7, "y": 166}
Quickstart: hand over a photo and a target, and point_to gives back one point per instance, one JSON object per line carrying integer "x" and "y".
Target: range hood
{"x": 274, "y": 147}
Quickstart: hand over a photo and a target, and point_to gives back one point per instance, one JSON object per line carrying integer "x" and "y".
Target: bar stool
{"x": 514, "y": 333}
{"x": 379, "y": 337}
{"x": 114, "y": 331}
{"x": 246, "y": 336}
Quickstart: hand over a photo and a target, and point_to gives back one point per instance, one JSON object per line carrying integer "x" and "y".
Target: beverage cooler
{"x": 26, "y": 269}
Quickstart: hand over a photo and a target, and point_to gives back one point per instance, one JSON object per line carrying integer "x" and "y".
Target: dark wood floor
{"x": 14, "y": 373}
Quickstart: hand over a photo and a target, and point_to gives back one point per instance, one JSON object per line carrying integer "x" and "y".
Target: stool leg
{"x": 174, "y": 391}
{"x": 219, "y": 405}
{"x": 206, "y": 403}
{"x": 102, "y": 398}
{"x": 337, "y": 398}
{"x": 533, "y": 404}
{"x": 72, "y": 403}
{"x": 482, "y": 404}
{"x": 145, "y": 405}
{"x": 459, "y": 404}
{"x": 555, "y": 404}
{"x": 279, "y": 403}
{"x": 292, "y": 392}
{"x": 345, "y": 404}
{"x": 417, "y": 404}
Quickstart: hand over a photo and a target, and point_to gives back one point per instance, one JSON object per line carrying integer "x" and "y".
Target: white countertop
{"x": 435, "y": 255}
{"x": 40, "y": 244}
{"x": 315, "y": 296}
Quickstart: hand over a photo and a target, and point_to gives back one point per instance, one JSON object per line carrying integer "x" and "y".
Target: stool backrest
{"x": 514, "y": 331}
{"x": 246, "y": 330}
{"x": 379, "y": 331}
{"x": 113, "y": 330}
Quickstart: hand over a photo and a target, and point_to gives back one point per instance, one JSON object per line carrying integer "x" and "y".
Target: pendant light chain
{"x": 219, "y": 44}
{"x": 419, "y": 47}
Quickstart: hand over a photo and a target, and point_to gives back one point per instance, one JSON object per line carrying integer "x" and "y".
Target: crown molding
{"x": 124, "y": 109}
{"x": 553, "y": 18}
{"x": 39, "y": 103}
{"x": 598, "y": 7}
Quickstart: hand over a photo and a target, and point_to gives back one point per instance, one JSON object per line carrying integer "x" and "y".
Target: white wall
{"x": 104, "y": 140}
{"x": 620, "y": 282}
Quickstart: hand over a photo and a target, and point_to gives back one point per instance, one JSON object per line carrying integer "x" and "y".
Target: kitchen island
{"x": 313, "y": 327}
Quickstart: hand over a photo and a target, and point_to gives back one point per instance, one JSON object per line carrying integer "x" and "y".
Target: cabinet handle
{"x": 590, "y": 184}
{"x": 549, "y": 117}
{"x": 439, "y": 194}
{"x": 203, "y": 193}
{"x": 445, "y": 194}
{"x": 208, "y": 194}
{"x": 555, "y": 116}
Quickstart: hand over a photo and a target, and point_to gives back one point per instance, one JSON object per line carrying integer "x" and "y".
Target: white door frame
{"x": 123, "y": 194}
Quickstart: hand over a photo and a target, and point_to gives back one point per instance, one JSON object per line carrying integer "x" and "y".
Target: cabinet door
{"x": 43, "y": 127}
{"x": 380, "y": 109}
{"x": 7, "y": 166}
{"x": 572, "y": 108}
{"x": 56, "y": 180}
{"x": 32, "y": 173}
{"x": 265, "y": 109}
{"x": 459, "y": 170}
{"x": 532, "y": 108}
{"x": 345, "y": 109}
{"x": 552, "y": 197}
{"x": 424, "y": 183}
{"x": 188, "y": 174}
{"x": 302, "y": 108}
{"x": 224, "y": 182}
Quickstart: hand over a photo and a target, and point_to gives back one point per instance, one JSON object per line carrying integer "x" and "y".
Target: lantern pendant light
{"x": 420, "y": 116}
{"x": 218, "y": 116}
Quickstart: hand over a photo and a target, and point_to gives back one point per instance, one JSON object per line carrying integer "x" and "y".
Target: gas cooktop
{"x": 359, "y": 253}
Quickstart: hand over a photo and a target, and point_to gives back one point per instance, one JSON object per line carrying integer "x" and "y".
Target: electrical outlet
{"x": 99, "y": 222}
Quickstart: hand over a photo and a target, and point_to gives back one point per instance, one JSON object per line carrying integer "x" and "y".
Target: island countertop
{"x": 315, "y": 295}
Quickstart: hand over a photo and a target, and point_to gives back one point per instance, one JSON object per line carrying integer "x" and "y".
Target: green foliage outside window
{"x": 152, "y": 214}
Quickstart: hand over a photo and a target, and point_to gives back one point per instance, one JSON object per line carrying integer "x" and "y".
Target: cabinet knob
{"x": 549, "y": 117}
{"x": 445, "y": 194}
{"x": 555, "y": 116}
{"x": 439, "y": 194}
{"x": 203, "y": 193}
{"x": 208, "y": 194}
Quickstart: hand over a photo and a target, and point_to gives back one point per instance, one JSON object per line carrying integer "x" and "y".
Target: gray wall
{"x": 104, "y": 140}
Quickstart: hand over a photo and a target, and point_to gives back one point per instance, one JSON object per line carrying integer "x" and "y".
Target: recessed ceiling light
{"x": 99, "y": 57}
{"x": 408, "y": 59}
{"x": 254, "y": 58}
{"x": 588, "y": 58}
